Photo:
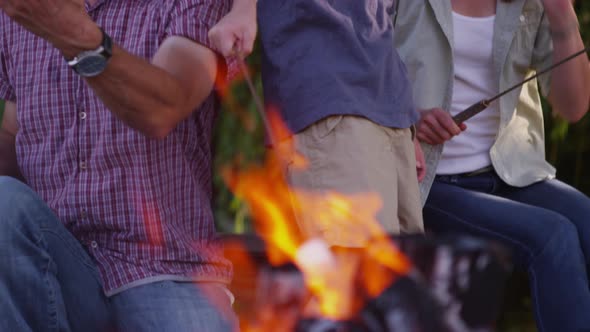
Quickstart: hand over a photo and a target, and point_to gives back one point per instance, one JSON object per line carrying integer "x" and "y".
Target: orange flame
{"x": 365, "y": 264}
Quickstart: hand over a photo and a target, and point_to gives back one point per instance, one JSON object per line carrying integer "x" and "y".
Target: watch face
{"x": 91, "y": 65}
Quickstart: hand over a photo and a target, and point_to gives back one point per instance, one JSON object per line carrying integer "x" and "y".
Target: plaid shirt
{"x": 141, "y": 206}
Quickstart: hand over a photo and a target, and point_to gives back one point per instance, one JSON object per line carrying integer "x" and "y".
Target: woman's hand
{"x": 437, "y": 126}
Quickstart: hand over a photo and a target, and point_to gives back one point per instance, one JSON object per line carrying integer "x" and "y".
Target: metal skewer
{"x": 483, "y": 104}
{"x": 272, "y": 139}
{"x": 257, "y": 101}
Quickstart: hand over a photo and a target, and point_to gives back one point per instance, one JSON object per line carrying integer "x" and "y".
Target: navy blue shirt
{"x": 333, "y": 57}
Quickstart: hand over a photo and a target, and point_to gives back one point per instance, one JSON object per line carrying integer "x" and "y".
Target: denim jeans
{"x": 48, "y": 282}
{"x": 547, "y": 226}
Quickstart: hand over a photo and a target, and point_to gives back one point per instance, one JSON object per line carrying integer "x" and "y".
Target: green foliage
{"x": 239, "y": 141}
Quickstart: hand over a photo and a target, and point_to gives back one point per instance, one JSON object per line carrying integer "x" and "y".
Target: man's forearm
{"x": 151, "y": 97}
{"x": 143, "y": 95}
{"x": 570, "y": 83}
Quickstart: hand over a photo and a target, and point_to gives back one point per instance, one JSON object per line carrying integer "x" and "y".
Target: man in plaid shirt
{"x": 108, "y": 120}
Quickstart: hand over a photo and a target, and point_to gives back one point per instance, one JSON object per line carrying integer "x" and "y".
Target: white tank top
{"x": 474, "y": 81}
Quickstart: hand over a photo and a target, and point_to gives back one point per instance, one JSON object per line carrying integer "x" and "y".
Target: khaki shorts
{"x": 353, "y": 156}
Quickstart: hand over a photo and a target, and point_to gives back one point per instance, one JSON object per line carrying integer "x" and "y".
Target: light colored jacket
{"x": 522, "y": 45}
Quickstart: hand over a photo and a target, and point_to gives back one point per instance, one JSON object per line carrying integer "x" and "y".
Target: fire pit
{"x": 287, "y": 278}
{"x": 455, "y": 285}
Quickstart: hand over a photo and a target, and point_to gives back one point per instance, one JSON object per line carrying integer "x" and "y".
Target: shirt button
{"x": 522, "y": 18}
{"x": 82, "y": 115}
{"x": 83, "y": 214}
{"x": 83, "y": 165}
{"x": 94, "y": 245}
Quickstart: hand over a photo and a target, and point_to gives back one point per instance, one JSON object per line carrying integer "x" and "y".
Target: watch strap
{"x": 105, "y": 49}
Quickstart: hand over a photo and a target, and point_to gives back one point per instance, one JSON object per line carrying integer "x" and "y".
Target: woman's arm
{"x": 570, "y": 83}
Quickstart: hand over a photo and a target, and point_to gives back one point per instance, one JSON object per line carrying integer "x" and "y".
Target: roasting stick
{"x": 483, "y": 104}
{"x": 313, "y": 255}
{"x": 257, "y": 101}
{"x": 316, "y": 245}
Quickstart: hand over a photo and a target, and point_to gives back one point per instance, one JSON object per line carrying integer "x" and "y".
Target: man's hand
{"x": 63, "y": 23}
{"x": 437, "y": 126}
{"x": 420, "y": 162}
{"x": 234, "y": 34}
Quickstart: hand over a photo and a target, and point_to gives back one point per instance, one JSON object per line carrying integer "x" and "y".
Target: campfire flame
{"x": 362, "y": 261}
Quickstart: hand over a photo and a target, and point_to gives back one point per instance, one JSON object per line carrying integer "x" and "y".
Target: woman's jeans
{"x": 48, "y": 282}
{"x": 547, "y": 226}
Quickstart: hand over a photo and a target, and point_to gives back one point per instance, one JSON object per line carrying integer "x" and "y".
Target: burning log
{"x": 456, "y": 286}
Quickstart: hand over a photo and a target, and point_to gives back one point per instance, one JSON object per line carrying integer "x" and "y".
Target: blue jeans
{"x": 547, "y": 226}
{"x": 48, "y": 282}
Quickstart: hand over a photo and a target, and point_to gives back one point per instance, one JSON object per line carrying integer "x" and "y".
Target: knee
{"x": 12, "y": 190}
{"x": 578, "y": 208}
{"x": 563, "y": 238}
{"x": 16, "y": 201}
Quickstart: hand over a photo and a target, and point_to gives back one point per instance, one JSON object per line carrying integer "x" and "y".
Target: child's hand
{"x": 420, "y": 162}
{"x": 235, "y": 33}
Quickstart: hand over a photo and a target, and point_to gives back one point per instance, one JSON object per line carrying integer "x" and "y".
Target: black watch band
{"x": 92, "y": 63}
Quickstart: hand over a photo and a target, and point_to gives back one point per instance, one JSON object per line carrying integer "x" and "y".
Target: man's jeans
{"x": 547, "y": 225}
{"x": 49, "y": 283}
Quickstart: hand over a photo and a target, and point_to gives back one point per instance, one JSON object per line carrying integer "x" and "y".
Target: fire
{"x": 362, "y": 261}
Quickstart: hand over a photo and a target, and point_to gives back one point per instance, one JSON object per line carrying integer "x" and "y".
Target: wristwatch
{"x": 92, "y": 63}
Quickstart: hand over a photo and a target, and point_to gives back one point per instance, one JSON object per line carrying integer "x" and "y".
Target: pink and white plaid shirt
{"x": 141, "y": 206}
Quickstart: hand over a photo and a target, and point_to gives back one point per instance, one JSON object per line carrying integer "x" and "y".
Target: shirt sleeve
{"x": 193, "y": 19}
{"x": 542, "y": 57}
